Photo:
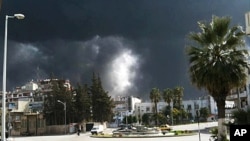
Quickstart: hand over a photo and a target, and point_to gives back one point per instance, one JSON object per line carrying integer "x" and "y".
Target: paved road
{"x": 204, "y": 137}
{"x": 86, "y": 136}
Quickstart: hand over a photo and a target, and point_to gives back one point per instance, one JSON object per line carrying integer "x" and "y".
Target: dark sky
{"x": 134, "y": 45}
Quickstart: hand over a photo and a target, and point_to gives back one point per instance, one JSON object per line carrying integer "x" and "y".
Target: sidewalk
{"x": 194, "y": 126}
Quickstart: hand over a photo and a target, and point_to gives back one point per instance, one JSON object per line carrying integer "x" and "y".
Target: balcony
{"x": 235, "y": 96}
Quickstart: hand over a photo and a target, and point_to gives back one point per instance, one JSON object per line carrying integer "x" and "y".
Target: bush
{"x": 241, "y": 116}
{"x": 214, "y": 131}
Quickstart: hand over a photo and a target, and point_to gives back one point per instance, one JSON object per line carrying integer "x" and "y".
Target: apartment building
{"x": 124, "y": 106}
{"x": 239, "y": 98}
{"x": 25, "y": 107}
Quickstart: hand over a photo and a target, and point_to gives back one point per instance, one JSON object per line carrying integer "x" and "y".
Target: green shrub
{"x": 214, "y": 131}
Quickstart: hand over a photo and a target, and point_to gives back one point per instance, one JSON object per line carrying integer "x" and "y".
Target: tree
{"x": 177, "y": 100}
{"x": 177, "y": 97}
{"x": 183, "y": 114}
{"x": 82, "y": 103}
{"x": 146, "y": 119}
{"x": 166, "y": 111}
{"x": 86, "y": 103}
{"x": 102, "y": 104}
{"x": 176, "y": 114}
{"x": 204, "y": 112}
{"x": 129, "y": 119}
{"x": 241, "y": 116}
{"x": 155, "y": 96}
{"x": 54, "y": 111}
{"x": 162, "y": 119}
{"x": 217, "y": 61}
{"x": 190, "y": 116}
{"x": 168, "y": 96}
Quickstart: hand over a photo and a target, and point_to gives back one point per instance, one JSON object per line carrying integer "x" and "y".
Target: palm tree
{"x": 178, "y": 94}
{"x": 168, "y": 96}
{"x": 177, "y": 100}
{"x": 218, "y": 61}
{"x": 155, "y": 96}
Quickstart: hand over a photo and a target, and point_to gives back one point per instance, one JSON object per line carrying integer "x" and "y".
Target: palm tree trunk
{"x": 238, "y": 99}
{"x": 171, "y": 114}
{"x": 222, "y": 132}
{"x": 156, "y": 114}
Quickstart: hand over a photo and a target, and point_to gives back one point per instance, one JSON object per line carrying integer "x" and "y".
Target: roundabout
{"x": 178, "y": 133}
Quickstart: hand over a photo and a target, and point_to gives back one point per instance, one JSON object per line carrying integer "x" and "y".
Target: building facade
{"x": 25, "y": 107}
{"x": 124, "y": 106}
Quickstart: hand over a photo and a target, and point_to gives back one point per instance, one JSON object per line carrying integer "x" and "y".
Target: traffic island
{"x": 176, "y": 133}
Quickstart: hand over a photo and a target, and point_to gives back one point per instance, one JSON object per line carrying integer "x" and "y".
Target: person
{"x": 6, "y": 134}
{"x": 78, "y": 131}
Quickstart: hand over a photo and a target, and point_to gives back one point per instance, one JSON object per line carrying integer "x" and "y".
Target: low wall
{"x": 57, "y": 129}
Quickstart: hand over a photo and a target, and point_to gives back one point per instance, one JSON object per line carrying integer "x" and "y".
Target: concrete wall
{"x": 57, "y": 129}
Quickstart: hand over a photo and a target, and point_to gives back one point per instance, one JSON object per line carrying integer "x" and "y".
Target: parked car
{"x": 97, "y": 130}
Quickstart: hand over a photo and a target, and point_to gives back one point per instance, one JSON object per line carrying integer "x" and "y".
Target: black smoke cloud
{"x": 133, "y": 45}
{"x": 110, "y": 57}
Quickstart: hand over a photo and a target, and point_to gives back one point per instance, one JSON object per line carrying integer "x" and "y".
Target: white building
{"x": 206, "y": 101}
{"x": 124, "y": 106}
{"x": 239, "y": 97}
{"x": 190, "y": 106}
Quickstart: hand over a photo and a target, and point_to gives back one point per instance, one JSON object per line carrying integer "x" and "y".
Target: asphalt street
{"x": 204, "y": 135}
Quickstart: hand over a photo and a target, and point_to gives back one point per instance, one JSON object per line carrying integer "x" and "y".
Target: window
{"x": 17, "y": 118}
{"x": 189, "y": 107}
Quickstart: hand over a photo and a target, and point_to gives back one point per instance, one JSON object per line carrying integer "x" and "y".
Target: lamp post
{"x": 18, "y": 16}
{"x": 126, "y": 119}
{"x": 37, "y": 113}
{"x": 64, "y": 104}
{"x": 199, "y": 115}
{"x": 171, "y": 116}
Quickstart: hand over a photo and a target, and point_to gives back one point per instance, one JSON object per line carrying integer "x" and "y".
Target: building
{"x": 190, "y": 106}
{"x": 25, "y": 107}
{"x": 124, "y": 106}
{"x": 239, "y": 98}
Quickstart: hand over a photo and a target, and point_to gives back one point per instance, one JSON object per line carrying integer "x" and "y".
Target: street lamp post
{"x": 64, "y": 104}
{"x": 18, "y": 16}
{"x": 126, "y": 119}
{"x": 198, "y": 116}
{"x": 172, "y": 117}
{"x": 37, "y": 113}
